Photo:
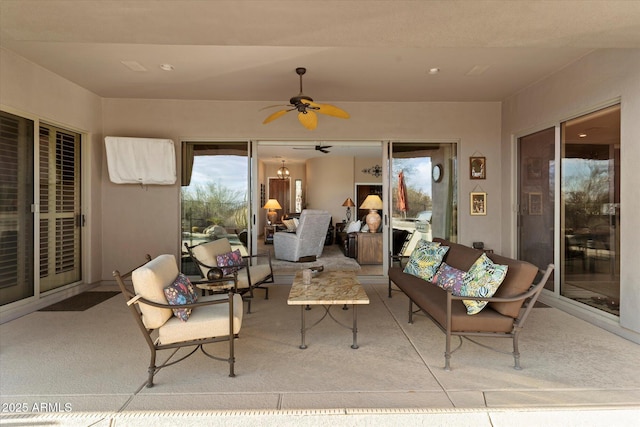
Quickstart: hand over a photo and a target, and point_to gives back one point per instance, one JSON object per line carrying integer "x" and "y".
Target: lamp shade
{"x": 348, "y": 203}
{"x": 272, "y": 204}
{"x": 372, "y": 202}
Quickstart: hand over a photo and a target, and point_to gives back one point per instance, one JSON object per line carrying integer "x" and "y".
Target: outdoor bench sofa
{"x": 503, "y": 316}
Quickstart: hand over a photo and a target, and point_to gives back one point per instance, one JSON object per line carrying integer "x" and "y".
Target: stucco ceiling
{"x": 358, "y": 51}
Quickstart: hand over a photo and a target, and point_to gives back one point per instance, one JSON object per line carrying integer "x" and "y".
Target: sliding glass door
{"x": 536, "y": 199}
{"x": 215, "y": 196}
{"x": 590, "y": 211}
{"x": 16, "y": 200}
{"x": 586, "y": 170}
{"x": 424, "y": 193}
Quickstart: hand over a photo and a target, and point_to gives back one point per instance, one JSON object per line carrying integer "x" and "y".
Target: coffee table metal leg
{"x": 302, "y": 330}
{"x": 355, "y": 328}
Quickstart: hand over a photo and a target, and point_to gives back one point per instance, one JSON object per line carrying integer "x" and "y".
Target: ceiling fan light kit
{"x": 307, "y": 108}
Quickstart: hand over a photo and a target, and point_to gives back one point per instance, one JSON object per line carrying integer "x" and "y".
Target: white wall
{"x": 585, "y": 85}
{"x": 137, "y": 221}
{"x": 32, "y": 91}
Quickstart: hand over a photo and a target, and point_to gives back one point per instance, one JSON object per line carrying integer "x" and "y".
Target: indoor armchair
{"x": 308, "y": 239}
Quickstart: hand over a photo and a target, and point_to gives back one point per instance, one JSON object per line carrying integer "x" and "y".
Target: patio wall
{"x": 125, "y": 221}
{"x": 146, "y": 219}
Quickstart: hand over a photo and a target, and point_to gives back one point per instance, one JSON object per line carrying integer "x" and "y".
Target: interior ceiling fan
{"x": 321, "y": 148}
{"x": 306, "y": 108}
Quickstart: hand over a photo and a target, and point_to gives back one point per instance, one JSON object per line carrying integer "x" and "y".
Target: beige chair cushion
{"x": 149, "y": 282}
{"x": 258, "y": 273}
{"x": 206, "y": 253}
{"x": 204, "y": 322}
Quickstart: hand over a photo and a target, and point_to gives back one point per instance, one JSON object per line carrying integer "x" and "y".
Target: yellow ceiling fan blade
{"x": 329, "y": 110}
{"x": 274, "y": 116}
{"x": 309, "y": 119}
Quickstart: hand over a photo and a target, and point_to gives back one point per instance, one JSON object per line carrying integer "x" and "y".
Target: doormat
{"x": 81, "y": 302}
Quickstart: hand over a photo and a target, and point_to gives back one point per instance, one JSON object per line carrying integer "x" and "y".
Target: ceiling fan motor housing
{"x": 296, "y": 101}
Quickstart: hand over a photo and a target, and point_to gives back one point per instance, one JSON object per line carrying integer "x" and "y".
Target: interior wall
{"x": 329, "y": 183}
{"x": 591, "y": 82}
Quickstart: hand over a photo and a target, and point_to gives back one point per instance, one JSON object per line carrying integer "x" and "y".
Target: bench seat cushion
{"x": 433, "y": 300}
{"x": 519, "y": 278}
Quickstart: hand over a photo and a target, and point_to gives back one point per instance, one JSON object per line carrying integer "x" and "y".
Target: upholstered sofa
{"x": 503, "y": 316}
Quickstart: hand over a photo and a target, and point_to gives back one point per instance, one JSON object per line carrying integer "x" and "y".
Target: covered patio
{"x": 89, "y": 368}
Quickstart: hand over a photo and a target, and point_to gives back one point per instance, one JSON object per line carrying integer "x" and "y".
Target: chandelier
{"x": 283, "y": 172}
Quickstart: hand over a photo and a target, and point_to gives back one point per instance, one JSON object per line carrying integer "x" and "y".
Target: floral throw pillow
{"x": 425, "y": 260}
{"x": 448, "y": 277}
{"x": 181, "y": 291}
{"x": 231, "y": 260}
{"x": 482, "y": 280}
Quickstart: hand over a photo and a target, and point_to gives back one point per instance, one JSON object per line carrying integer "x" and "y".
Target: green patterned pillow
{"x": 425, "y": 259}
{"x": 482, "y": 280}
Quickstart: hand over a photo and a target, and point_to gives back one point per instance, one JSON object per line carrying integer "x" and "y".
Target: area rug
{"x": 332, "y": 259}
{"x": 81, "y": 302}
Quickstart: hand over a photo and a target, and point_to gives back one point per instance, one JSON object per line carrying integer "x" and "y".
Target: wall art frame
{"x": 477, "y": 167}
{"x": 535, "y": 203}
{"x": 477, "y": 203}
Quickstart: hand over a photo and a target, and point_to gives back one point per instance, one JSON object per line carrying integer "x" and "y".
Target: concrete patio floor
{"x": 89, "y": 368}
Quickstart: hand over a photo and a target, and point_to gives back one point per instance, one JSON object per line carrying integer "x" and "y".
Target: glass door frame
{"x": 554, "y": 294}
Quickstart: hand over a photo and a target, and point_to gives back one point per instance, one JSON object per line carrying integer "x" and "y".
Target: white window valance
{"x": 141, "y": 160}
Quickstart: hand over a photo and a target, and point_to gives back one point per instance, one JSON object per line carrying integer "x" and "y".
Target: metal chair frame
{"x": 529, "y": 298}
{"x": 133, "y": 302}
{"x": 247, "y": 260}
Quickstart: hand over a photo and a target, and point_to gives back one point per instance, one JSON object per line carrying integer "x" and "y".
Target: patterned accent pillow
{"x": 425, "y": 260}
{"x": 482, "y": 280}
{"x": 424, "y": 242}
{"x": 290, "y": 224}
{"x": 181, "y": 291}
{"x": 354, "y": 227}
{"x": 448, "y": 277}
{"x": 232, "y": 260}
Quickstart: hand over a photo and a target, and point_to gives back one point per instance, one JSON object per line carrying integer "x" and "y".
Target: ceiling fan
{"x": 306, "y": 108}
{"x": 321, "y": 148}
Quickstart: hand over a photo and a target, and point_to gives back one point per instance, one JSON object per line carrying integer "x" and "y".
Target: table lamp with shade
{"x": 373, "y": 220}
{"x": 349, "y": 204}
{"x": 272, "y": 205}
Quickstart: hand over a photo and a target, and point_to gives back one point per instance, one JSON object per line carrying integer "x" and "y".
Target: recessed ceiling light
{"x": 166, "y": 67}
{"x": 582, "y": 135}
{"x": 434, "y": 70}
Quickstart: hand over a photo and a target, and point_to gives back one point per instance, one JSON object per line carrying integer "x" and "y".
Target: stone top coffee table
{"x": 328, "y": 288}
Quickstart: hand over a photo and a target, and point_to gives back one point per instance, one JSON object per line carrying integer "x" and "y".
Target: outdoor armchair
{"x": 255, "y": 271}
{"x": 210, "y": 319}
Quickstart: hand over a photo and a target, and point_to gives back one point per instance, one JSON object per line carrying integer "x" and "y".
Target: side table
{"x": 217, "y": 285}
{"x": 340, "y": 226}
